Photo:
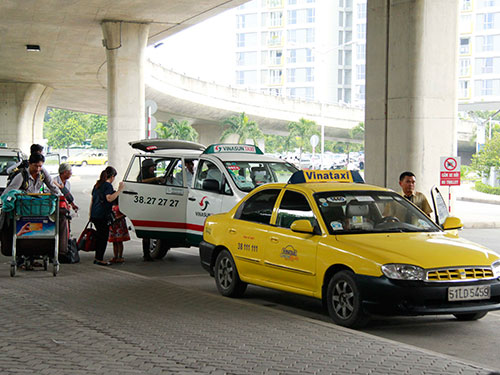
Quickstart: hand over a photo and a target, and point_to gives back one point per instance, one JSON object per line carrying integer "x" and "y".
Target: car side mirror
{"x": 302, "y": 226}
{"x": 452, "y": 222}
{"x": 211, "y": 185}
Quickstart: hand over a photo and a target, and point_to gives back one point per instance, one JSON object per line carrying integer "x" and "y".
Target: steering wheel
{"x": 387, "y": 219}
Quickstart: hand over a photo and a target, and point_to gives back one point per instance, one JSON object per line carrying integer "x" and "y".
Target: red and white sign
{"x": 450, "y": 171}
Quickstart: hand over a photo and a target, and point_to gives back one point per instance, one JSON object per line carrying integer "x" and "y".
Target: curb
{"x": 481, "y": 225}
{"x": 478, "y": 200}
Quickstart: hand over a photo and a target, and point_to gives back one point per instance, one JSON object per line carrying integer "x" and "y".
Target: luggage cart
{"x": 36, "y": 230}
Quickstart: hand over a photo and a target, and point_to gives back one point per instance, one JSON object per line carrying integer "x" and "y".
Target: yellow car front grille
{"x": 460, "y": 274}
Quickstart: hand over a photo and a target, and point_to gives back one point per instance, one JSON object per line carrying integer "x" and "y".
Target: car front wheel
{"x": 226, "y": 276}
{"x": 344, "y": 301}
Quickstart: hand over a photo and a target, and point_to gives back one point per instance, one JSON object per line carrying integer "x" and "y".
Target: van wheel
{"x": 156, "y": 248}
{"x": 471, "y": 316}
{"x": 84, "y": 163}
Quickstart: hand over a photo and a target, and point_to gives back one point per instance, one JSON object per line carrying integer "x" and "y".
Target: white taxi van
{"x": 168, "y": 205}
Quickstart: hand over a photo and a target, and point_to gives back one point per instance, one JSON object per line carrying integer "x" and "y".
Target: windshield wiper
{"x": 396, "y": 230}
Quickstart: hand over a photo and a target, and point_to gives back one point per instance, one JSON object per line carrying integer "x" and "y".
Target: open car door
{"x": 51, "y": 164}
{"x": 441, "y": 211}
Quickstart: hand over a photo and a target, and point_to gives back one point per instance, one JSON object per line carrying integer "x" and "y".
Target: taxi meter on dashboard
{"x": 362, "y": 249}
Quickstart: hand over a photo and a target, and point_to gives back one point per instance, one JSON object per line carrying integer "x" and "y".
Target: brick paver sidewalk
{"x": 92, "y": 320}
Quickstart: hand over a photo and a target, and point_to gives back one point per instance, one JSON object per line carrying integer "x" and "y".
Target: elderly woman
{"x": 62, "y": 181}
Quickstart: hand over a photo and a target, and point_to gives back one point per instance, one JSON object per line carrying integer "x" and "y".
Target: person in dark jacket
{"x": 101, "y": 205}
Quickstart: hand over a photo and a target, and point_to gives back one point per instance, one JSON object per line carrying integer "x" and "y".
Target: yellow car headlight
{"x": 496, "y": 268}
{"x": 403, "y": 272}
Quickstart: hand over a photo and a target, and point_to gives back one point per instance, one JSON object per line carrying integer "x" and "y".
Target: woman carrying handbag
{"x": 101, "y": 205}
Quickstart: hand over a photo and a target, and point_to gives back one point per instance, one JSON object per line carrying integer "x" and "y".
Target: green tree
{"x": 358, "y": 132}
{"x": 275, "y": 143}
{"x": 301, "y": 132}
{"x": 99, "y": 140}
{"x": 482, "y": 117}
{"x": 91, "y": 123}
{"x": 95, "y": 124}
{"x": 242, "y": 127}
{"x": 175, "y": 129}
{"x": 64, "y": 134}
{"x": 488, "y": 157}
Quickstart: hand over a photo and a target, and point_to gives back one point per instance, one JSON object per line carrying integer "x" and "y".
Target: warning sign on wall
{"x": 449, "y": 174}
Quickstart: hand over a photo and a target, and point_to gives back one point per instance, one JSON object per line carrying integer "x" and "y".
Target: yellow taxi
{"x": 361, "y": 249}
{"x": 89, "y": 158}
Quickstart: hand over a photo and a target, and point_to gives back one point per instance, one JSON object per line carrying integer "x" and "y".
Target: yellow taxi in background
{"x": 89, "y": 157}
{"x": 361, "y": 249}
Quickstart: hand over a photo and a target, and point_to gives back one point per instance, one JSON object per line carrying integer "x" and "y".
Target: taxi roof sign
{"x": 337, "y": 175}
{"x": 231, "y": 147}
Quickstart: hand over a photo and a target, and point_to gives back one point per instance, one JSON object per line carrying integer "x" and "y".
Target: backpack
{"x": 25, "y": 174}
{"x": 13, "y": 173}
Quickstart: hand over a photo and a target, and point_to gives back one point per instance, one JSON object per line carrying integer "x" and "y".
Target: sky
{"x": 201, "y": 51}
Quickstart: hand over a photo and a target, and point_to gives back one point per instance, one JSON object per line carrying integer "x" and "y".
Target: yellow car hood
{"x": 427, "y": 250}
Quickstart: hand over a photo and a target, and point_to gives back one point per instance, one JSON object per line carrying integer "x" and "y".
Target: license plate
{"x": 468, "y": 293}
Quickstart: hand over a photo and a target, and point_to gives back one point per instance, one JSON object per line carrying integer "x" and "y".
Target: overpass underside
{"x": 410, "y": 79}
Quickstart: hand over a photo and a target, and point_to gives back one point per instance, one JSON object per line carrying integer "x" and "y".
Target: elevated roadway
{"x": 92, "y": 57}
{"x": 206, "y": 104}
{"x": 70, "y": 69}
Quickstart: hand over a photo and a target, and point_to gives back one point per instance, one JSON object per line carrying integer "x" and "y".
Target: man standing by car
{"x": 407, "y": 181}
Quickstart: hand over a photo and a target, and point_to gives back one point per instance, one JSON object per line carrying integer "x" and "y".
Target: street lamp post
{"x": 351, "y": 42}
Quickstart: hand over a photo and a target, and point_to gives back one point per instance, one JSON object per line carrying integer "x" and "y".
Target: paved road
{"x": 167, "y": 317}
{"x": 137, "y": 319}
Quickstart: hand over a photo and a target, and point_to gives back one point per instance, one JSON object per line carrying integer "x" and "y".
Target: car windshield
{"x": 248, "y": 175}
{"x": 6, "y": 162}
{"x": 349, "y": 212}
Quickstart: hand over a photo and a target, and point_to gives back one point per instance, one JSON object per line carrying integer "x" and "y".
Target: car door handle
{"x": 130, "y": 192}
{"x": 232, "y": 230}
{"x": 274, "y": 239}
{"x": 192, "y": 198}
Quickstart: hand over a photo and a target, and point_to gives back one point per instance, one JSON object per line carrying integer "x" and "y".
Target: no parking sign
{"x": 450, "y": 171}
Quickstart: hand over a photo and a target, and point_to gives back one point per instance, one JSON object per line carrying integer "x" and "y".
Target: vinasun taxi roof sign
{"x": 338, "y": 175}
{"x": 222, "y": 148}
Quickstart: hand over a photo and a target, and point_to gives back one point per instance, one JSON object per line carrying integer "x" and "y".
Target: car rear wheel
{"x": 344, "y": 301}
{"x": 157, "y": 248}
{"x": 226, "y": 276}
{"x": 471, "y": 316}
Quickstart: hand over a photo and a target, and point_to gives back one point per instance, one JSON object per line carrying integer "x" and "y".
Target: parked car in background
{"x": 89, "y": 158}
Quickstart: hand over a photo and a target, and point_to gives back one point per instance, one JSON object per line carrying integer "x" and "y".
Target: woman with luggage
{"x": 101, "y": 205}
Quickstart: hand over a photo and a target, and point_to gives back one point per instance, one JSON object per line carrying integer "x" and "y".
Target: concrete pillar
{"x": 22, "y": 109}
{"x": 125, "y": 44}
{"x": 410, "y": 89}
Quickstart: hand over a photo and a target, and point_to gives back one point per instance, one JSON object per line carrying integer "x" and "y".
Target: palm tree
{"x": 358, "y": 132}
{"x": 175, "y": 129}
{"x": 242, "y": 127}
{"x": 302, "y": 132}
